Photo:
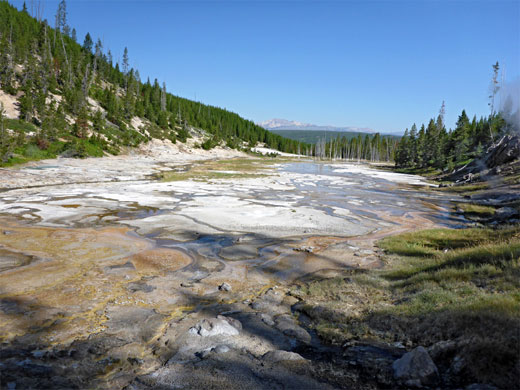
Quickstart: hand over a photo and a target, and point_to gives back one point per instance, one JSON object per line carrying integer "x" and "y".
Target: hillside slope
{"x": 60, "y": 97}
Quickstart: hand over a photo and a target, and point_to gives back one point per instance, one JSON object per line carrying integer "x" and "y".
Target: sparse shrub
{"x": 42, "y": 143}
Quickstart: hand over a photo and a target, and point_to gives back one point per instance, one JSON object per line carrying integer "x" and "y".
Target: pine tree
{"x": 98, "y": 121}
{"x": 402, "y": 158}
{"x": 81, "y": 124}
{"x": 421, "y": 148}
{"x": 125, "y": 67}
{"x": 438, "y": 152}
{"x": 5, "y": 142}
{"x": 413, "y": 145}
{"x": 125, "y": 61}
{"x": 431, "y": 143}
{"x": 459, "y": 139}
{"x": 163, "y": 97}
{"x": 6, "y": 64}
{"x": 61, "y": 17}
{"x": 88, "y": 43}
{"x": 26, "y": 106}
{"x": 494, "y": 87}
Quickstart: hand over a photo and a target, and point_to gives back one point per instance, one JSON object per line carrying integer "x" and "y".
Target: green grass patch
{"x": 513, "y": 179}
{"x": 241, "y": 164}
{"x": 463, "y": 162}
{"x": 465, "y": 188}
{"x": 439, "y": 285}
{"x": 438, "y": 240}
{"x": 435, "y": 249}
{"x": 427, "y": 172}
{"x": 476, "y": 210}
{"x": 204, "y": 176}
{"x": 74, "y": 146}
{"x": 221, "y": 169}
{"x": 19, "y": 125}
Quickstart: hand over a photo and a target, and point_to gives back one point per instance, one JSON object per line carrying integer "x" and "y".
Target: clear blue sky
{"x": 373, "y": 64}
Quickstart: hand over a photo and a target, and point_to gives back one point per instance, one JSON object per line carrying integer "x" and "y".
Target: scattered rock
{"x": 504, "y": 151}
{"x": 11, "y": 306}
{"x": 230, "y": 312}
{"x": 480, "y": 386}
{"x": 290, "y": 300}
{"x": 135, "y": 361}
{"x": 469, "y": 177}
{"x": 38, "y": 354}
{"x": 224, "y": 287}
{"x": 186, "y": 284}
{"x": 458, "y": 365}
{"x": 504, "y": 213}
{"x": 373, "y": 360}
{"x": 270, "y": 302}
{"x": 203, "y": 354}
{"x": 236, "y": 323}
{"x": 128, "y": 266}
{"x": 215, "y": 327}
{"x": 306, "y": 249}
{"x": 288, "y": 326}
{"x": 416, "y": 368}
{"x": 221, "y": 348}
{"x": 267, "y": 319}
{"x": 442, "y": 348}
{"x": 279, "y": 355}
{"x": 132, "y": 323}
{"x": 140, "y": 286}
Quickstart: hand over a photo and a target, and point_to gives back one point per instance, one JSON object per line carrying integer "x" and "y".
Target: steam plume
{"x": 510, "y": 104}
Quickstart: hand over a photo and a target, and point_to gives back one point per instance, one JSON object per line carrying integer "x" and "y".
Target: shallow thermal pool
{"x": 208, "y": 218}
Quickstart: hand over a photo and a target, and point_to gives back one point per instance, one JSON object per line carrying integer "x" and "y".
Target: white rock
{"x": 279, "y": 355}
{"x": 221, "y": 349}
{"x": 214, "y": 327}
{"x": 224, "y": 287}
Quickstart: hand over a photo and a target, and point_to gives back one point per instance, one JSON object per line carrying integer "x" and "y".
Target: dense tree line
{"x": 432, "y": 146}
{"x": 55, "y": 78}
{"x": 370, "y": 147}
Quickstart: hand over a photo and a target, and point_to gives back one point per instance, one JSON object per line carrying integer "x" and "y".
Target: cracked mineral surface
{"x": 111, "y": 269}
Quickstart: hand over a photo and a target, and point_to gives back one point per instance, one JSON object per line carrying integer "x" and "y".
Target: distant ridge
{"x": 284, "y": 124}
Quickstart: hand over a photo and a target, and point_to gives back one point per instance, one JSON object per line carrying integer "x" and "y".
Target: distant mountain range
{"x": 284, "y": 124}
